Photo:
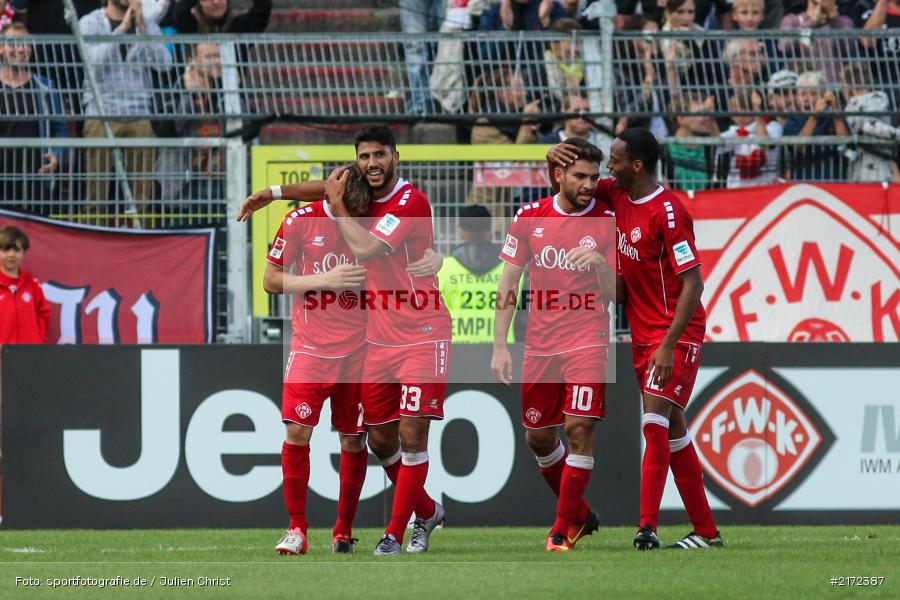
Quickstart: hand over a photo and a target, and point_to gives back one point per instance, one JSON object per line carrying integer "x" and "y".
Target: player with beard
{"x": 570, "y": 247}
{"x": 408, "y": 355}
{"x": 659, "y": 281}
{"x": 405, "y": 340}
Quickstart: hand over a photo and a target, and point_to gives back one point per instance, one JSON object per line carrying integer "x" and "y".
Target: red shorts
{"x": 684, "y": 372}
{"x": 409, "y": 381}
{"x": 302, "y": 403}
{"x": 563, "y": 384}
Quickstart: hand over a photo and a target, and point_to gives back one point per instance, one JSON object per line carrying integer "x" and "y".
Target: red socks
{"x": 353, "y": 475}
{"x": 295, "y": 469}
{"x": 409, "y": 490}
{"x": 552, "y": 466}
{"x": 689, "y": 479}
{"x": 654, "y": 468}
{"x": 425, "y": 507}
{"x": 571, "y": 507}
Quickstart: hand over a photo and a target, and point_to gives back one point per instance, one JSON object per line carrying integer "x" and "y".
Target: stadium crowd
{"x": 710, "y": 87}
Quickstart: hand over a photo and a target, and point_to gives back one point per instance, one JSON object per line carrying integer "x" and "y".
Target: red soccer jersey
{"x": 542, "y": 234}
{"x": 656, "y": 244}
{"x": 309, "y": 243}
{"x": 411, "y": 310}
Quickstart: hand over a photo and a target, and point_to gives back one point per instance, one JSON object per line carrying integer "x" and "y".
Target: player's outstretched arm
{"x": 664, "y": 358}
{"x": 507, "y": 294}
{"x": 363, "y": 244}
{"x": 307, "y": 191}
{"x": 427, "y": 266}
{"x": 342, "y": 277}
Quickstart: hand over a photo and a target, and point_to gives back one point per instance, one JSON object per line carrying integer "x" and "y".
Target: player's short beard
{"x": 388, "y": 176}
{"x": 572, "y": 196}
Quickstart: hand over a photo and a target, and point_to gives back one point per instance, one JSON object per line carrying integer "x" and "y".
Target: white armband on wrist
{"x": 276, "y": 192}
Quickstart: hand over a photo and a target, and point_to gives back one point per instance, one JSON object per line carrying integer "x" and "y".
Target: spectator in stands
{"x": 12, "y": 10}
{"x": 813, "y": 162}
{"x": 821, "y": 53}
{"x": 580, "y": 127}
{"x": 124, "y": 74}
{"x": 692, "y": 166}
{"x": 745, "y": 59}
{"x": 418, "y": 17}
{"x": 748, "y": 16}
{"x": 563, "y": 66}
{"x": 689, "y": 63}
{"x": 24, "y": 312}
{"x": 885, "y": 51}
{"x": 627, "y": 11}
{"x": 635, "y": 81}
{"x": 751, "y": 164}
{"x": 780, "y": 90}
{"x": 871, "y": 162}
{"x": 217, "y": 16}
{"x": 186, "y": 173}
{"x": 27, "y": 173}
{"x": 521, "y": 15}
{"x": 503, "y": 92}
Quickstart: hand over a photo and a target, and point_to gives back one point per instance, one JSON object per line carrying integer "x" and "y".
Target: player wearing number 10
{"x": 568, "y": 240}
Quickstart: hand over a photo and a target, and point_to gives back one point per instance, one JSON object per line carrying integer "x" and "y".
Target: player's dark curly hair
{"x": 586, "y": 150}
{"x": 358, "y": 193}
{"x": 376, "y": 133}
{"x": 641, "y": 144}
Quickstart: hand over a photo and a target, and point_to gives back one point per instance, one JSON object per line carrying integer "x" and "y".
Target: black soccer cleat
{"x": 694, "y": 541}
{"x": 342, "y": 544}
{"x": 646, "y": 539}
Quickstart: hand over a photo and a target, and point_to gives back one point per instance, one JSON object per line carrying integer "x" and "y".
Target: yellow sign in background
{"x": 285, "y": 165}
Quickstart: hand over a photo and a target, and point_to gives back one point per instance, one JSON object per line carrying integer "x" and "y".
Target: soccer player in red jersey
{"x": 570, "y": 247}
{"x": 326, "y": 356}
{"x": 659, "y": 282}
{"x": 408, "y": 350}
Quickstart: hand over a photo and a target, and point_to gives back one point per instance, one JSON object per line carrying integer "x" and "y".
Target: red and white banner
{"x": 131, "y": 286}
{"x": 800, "y": 262}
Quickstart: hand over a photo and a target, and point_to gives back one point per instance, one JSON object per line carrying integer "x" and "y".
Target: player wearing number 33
{"x": 660, "y": 284}
{"x": 569, "y": 242}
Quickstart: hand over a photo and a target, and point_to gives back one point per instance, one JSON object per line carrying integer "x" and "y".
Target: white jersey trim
{"x": 527, "y": 353}
{"x": 400, "y": 184}
{"x": 327, "y": 208}
{"x": 576, "y": 214}
{"x": 368, "y": 341}
{"x": 649, "y": 197}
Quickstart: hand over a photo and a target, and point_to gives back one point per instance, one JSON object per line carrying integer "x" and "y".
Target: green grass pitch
{"x": 758, "y": 562}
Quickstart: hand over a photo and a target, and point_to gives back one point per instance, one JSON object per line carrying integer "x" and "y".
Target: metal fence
{"x": 349, "y": 77}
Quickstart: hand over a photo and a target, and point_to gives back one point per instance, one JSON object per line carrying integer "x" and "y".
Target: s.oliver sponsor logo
{"x": 626, "y": 249}
{"x": 807, "y": 267}
{"x": 556, "y": 258}
{"x": 330, "y": 261}
{"x": 754, "y": 439}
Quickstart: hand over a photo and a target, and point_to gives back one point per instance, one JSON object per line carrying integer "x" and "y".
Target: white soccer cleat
{"x": 695, "y": 541}
{"x": 422, "y": 529}
{"x": 388, "y": 546}
{"x": 293, "y": 542}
